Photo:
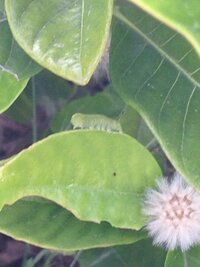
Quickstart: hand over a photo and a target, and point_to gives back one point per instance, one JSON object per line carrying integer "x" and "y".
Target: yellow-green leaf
{"x": 98, "y": 176}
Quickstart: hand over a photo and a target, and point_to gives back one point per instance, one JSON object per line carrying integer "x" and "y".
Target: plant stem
{"x": 75, "y": 259}
{"x": 185, "y": 260}
{"x": 34, "y": 112}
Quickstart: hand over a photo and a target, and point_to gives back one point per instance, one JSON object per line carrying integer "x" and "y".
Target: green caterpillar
{"x": 95, "y": 121}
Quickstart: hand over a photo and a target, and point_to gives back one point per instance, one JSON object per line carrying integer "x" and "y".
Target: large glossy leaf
{"x": 182, "y": 15}
{"x": 48, "y": 225}
{"x": 98, "y": 176}
{"x": 140, "y": 254}
{"x": 156, "y": 71}
{"x": 190, "y": 258}
{"x": 67, "y": 37}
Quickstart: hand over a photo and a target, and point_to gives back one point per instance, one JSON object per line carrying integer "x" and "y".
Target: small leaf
{"x": 157, "y": 72}
{"x": 10, "y": 89}
{"x": 48, "y": 225}
{"x": 98, "y": 176}
{"x": 15, "y": 67}
{"x": 183, "y": 16}
{"x": 67, "y": 37}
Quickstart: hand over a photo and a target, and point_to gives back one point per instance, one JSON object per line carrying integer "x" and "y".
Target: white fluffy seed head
{"x": 173, "y": 212}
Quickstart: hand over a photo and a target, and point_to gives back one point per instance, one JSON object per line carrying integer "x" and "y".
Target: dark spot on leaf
{"x": 114, "y": 174}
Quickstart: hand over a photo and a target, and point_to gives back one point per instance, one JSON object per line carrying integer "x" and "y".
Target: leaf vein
{"x": 169, "y": 40}
{"x": 121, "y": 17}
{"x": 184, "y": 122}
{"x": 134, "y": 61}
{"x": 150, "y": 77}
{"x": 185, "y": 55}
{"x": 195, "y": 71}
{"x": 165, "y": 100}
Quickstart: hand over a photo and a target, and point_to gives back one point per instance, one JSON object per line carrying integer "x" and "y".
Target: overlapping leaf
{"x": 66, "y": 37}
{"x": 13, "y": 59}
{"x": 98, "y": 176}
{"x": 181, "y": 15}
{"x": 48, "y": 225}
{"x": 10, "y": 89}
{"x": 158, "y": 72}
{"x": 15, "y": 67}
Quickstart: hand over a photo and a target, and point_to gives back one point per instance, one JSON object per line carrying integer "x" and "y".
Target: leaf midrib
{"x": 121, "y": 17}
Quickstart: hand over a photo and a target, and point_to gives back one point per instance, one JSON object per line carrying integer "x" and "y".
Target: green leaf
{"x": 140, "y": 254}
{"x": 15, "y": 67}
{"x": 190, "y": 258}
{"x": 1, "y": 8}
{"x": 98, "y": 176}
{"x": 183, "y": 16}
{"x": 10, "y": 89}
{"x": 130, "y": 121}
{"x": 144, "y": 134}
{"x": 156, "y": 71}
{"x": 48, "y": 225}
{"x": 13, "y": 60}
{"x": 67, "y": 37}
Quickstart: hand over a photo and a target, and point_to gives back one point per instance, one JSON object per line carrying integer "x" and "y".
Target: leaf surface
{"x": 66, "y": 37}
{"x": 48, "y": 225}
{"x": 156, "y": 71}
{"x": 182, "y": 15}
{"x": 98, "y": 176}
{"x": 10, "y": 89}
{"x": 13, "y": 59}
